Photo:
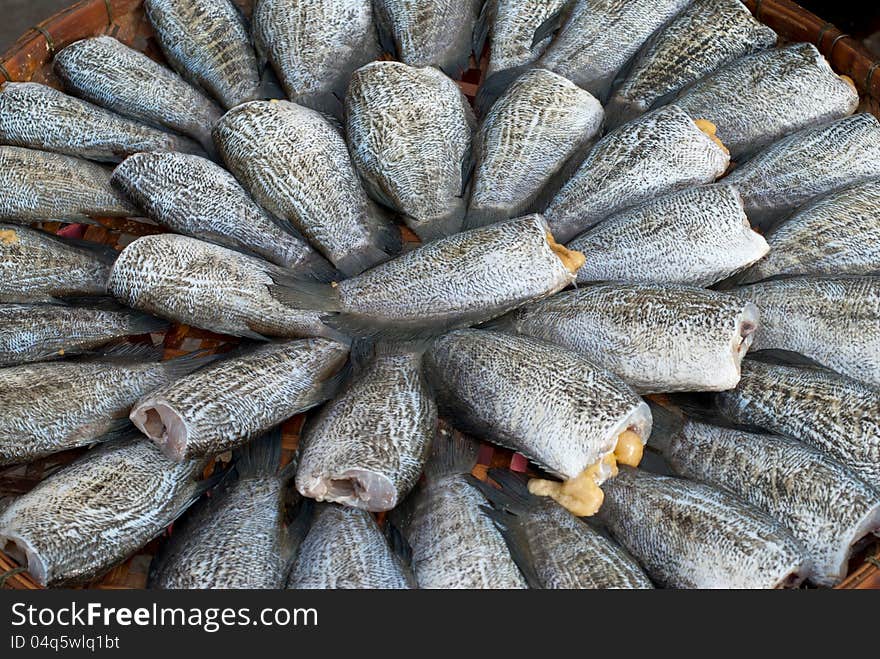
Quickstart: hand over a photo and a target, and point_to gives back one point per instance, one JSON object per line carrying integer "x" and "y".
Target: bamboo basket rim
{"x": 31, "y": 52}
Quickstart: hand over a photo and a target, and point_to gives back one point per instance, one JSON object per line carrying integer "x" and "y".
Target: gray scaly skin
{"x": 410, "y": 131}
{"x": 237, "y": 538}
{"x": 55, "y": 406}
{"x": 542, "y": 123}
{"x": 315, "y": 46}
{"x": 207, "y": 43}
{"x": 41, "y": 332}
{"x": 553, "y": 548}
{"x": 367, "y": 447}
{"x": 695, "y": 237}
{"x": 657, "y": 338}
{"x": 40, "y": 185}
{"x": 110, "y": 74}
{"x": 833, "y": 413}
{"x": 296, "y": 165}
{"x": 39, "y": 267}
{"x": 837, "y": 234}
{"x": 826, "y": 508}
{"x": 705, "y": 36}
{"x": 832, "y": 320}
{"x": 201, "y": 284}
{"x": 345, "y": 549}
{"x": 40, "y": 117}
{"x": 239, "y": 398}
{"x": 455, "y": 543}
{"x": 194, "y": 196}
{"x": 662, "y": 152}
{"x": 454, "y": 282}
{"x": 812, "y": 162}
{"x": 761, "y": 98}
{"x": 512, "y": 25}
{"x": 690, "y": 535}
{"x": 94, "y": 513}
{"x": 548, "y": 403}
{"x": 600, "y": 36}
{"x": 429, "y": 32}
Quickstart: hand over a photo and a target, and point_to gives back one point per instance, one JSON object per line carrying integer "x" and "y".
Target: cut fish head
{"x": 357, "y": 488}
{"x": 163, "y": 425}
{"x": 25, "y": 555}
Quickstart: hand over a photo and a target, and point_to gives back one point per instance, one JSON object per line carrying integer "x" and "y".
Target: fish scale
{"x": 40, "y": 117}
{"x": 238, "y": 398}
{"x": 833, "y": 413}
{"x": 705, "y": 36}
{"x": 108, "y": 73}
{"x": 659, "y": 153}
{"x": 40, "y": 184}
{"x": 761, "y": 98}
{"x": 207, "y": 43}
{"x": 809, "y": 163}
{"x": 410, "y": 129}
{"x": 296, "y": 165}
{"x": 316, "y": 45}
{"x": 38, "y": 267}
{"x": 196, "y": 197}
{"x": 512, "y": 30}
{"x": 696, "y": 237}
{"x": 94, "y": 513}
{"x": 689, "y": 535}
{"x": 827, "y": 508}
{"x": 832, "y": 320}
{"x": 540, "y": 124}
{"x": 209, "y": 286}
{"x": 345, "y": 549}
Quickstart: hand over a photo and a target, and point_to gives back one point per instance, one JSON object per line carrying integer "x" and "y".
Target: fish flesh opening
{"x": 22, "y": 553}
{"x": 164, "y": 426}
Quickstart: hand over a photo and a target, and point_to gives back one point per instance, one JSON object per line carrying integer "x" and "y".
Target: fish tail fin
{"x": 142, "y": 323}
{"x": 552, "y": 24}
{"x": 316, "y": 267}
{"x": 177, "y": 367}
{"x": 296, "y": 531}
{"x": 259, "y": 458}
{"x": 620, "y": 110}
{"x": 398, "y": 543}
{"x": 138, "y": 352}
{"x": 379, "y": 331}
{"x": 329, "y": 386}
{"x": 482, "y": 27}
{"x": 451, "y": 453}
{"x": 292, "y": 291}
{"x": 494, "y": 86}
{"x": 668, "y": 423}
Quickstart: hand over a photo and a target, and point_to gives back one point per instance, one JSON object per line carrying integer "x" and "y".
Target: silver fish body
{"x": 237, "y": 537}
{"x": 662, "y": 152}
{"x": 40, "y": 117}
{"x": 55, "y": 406}
{"x": 512, "y": 29}
{"x": 108, "y": 73}
{"x": 455, "y": 544}
{"x": 315, "y": 46}
{"x": 600, "y": 36}
{"x": 209, "y": 286}
{"x": 540, "y": 126}
{"x": 833, "y": 413}
{"x": 812, "y": 162}
{"x": 761, "y": 98}
{"x": 42, "y": 332}
{"x": 435, "y": 33}
{"x": 837, "y": 234}
{"x": 296, "y": 165}
{"x": 551, "y": 405}
{"x": 455, "y": 282}
{"x": 832, "y": 320}
{"x": 367, "y": 447}
{"x": 695, "y": 237}
{"x": 231, "y": 402}
{"x": 826, "y": 508}
{"x": 94, "y": 513}
{"x": 704, "y": 37}
{"x": 38, "y": 267}
{"x": 345, "y": 549}
{"x": 657, "y": 338}
{"x": 196, "y": 197}
{"x": 40, "y": 185}
{"x": 207, "y": 43}
{"x": 410, "y": 131}
{"x": 690, "y": 535}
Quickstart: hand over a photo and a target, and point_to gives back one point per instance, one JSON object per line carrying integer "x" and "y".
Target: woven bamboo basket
{"x": 30, "y": 59}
